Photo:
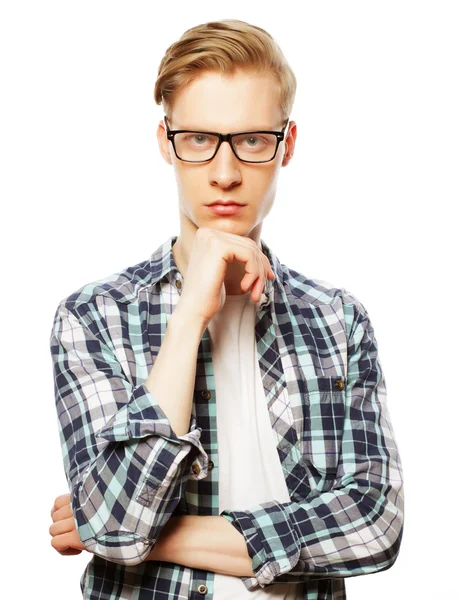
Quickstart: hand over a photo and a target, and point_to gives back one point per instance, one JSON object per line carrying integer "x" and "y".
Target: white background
{"x": 368, "y": 203}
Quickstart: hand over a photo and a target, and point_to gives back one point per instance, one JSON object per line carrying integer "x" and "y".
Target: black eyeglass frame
{"x": 223, "y": 137}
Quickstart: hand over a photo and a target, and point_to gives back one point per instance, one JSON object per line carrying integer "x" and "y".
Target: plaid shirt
{"x": 128, "y": 472}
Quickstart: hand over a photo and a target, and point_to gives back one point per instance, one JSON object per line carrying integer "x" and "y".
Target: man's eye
{"x": 251, "y": 141}
{"x": 198, "y": 139}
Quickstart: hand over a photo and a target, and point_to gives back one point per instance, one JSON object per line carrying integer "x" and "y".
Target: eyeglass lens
{"x": 248, "y": 146}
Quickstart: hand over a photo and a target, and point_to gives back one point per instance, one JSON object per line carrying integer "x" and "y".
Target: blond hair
{"x": 223, "y": 46}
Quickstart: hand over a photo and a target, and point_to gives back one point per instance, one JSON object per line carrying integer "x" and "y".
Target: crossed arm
{"x": 203, "y": 542}
{"x": 353, "y": 528}
{"x": 136, "y": 448}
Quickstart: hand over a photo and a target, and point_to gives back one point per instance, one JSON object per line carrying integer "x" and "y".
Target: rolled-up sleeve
{"x": 356, "y": 527}
{"x": 125, "y": 466}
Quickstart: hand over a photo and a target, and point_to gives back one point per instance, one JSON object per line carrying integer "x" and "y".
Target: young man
{"x": 223, "y": 418}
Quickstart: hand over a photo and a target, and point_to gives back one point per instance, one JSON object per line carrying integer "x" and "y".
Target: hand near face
{"x": 204, "y": 291}
{"x": 64, "y": 531}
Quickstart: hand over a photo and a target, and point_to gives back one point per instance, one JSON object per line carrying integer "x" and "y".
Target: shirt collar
{"x": 163, "y": 265}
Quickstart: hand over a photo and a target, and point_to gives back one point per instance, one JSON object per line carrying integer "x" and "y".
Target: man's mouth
{"x": 226, "y": 203}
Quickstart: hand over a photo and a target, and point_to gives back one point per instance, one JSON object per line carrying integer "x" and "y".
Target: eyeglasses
{"x": 201, "y": 146}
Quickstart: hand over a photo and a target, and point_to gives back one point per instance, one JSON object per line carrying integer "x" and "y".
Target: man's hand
{"x": 67, "y": 541}
{"x": 65, "y": 536}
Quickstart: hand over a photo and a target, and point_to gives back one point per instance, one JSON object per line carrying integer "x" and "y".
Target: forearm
{"x": 208, "y": 543}
{"x": 177, "y": 354}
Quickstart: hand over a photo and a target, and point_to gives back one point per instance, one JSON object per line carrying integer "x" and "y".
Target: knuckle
{"x": 205, "y": 232}
{"x": 210, "y": 238}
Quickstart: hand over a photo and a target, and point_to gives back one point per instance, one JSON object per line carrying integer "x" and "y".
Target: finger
{"x": 251, "y": 267}
{"x": 268, "y": 266}
{"x": 264, "y": 274}
{"x": 67, "y": 543}
{"x": 248, "y": 281}
{"x": 260, "y": 282}
{"x": 61, "y": 527}
{"x": 257, "y": 289}
{"x": 62, "y": 513}
{"x": 61, "y": 542}
{"x": 271, "y": 273}
{"x": 60, "y": 501}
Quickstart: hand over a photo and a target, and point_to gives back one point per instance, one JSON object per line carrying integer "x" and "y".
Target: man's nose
{"x": 225, "y": 157}
{"x": 225, "y": 166}
{"x": 226, "y": 151}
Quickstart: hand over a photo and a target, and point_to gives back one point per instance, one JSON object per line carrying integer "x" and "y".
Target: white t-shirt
{"x": 249, "y": 469}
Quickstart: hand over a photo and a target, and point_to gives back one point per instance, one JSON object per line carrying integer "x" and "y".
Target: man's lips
{"x": 226, "y": 203}
{"x": 226, "y": 209}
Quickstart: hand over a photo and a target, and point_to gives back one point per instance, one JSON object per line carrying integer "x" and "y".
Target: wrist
{"x": 181, "y": 320}
{"x": 169, "y": 540}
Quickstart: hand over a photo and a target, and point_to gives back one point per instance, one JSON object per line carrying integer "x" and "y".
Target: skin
{"x": 202, "y": 542}
{"x": 225, "y": 103}
{"x": 65, "y": 538}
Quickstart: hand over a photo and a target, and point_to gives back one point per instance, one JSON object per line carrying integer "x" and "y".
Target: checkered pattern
{"x": 128, "y": 472}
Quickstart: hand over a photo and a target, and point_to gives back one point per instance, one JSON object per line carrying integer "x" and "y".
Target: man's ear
{"x": 289, "y": 143}
{"x": 163, "y": 142}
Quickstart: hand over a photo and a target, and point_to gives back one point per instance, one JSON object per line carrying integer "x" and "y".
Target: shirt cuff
{"x": 142, "y": 416}
{"x": 271, "y": 540}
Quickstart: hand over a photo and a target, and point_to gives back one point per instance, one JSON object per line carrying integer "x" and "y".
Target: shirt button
{"x": 206, "y": 394}
{"x": 210, "y": 465}
{"x": 196, "y": 468}
{"x": 202, "y": 589}
{"x": 340, "y": 384}
{"x": 178, "y": 284}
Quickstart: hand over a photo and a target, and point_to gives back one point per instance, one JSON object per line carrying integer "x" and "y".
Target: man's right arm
{"x": 127, "y": 448}
{"x": 172, "y": 378}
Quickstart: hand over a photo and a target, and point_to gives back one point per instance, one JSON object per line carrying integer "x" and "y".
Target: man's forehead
{"x": 224, "y": 126}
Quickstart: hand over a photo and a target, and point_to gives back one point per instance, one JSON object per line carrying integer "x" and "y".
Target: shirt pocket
{"x": 323, "y": 422}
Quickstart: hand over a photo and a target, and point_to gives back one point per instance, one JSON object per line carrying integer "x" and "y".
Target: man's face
{"x": 224, "y": 103}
